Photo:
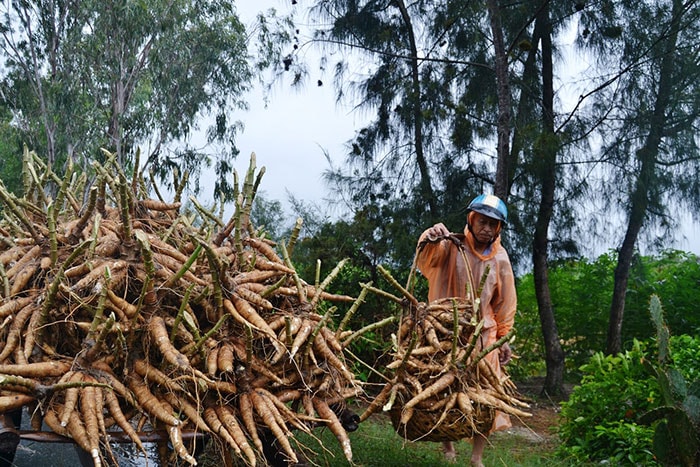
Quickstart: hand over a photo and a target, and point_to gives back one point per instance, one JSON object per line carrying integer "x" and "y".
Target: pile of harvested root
{"x": 440, "y": 386}
{"x": 122, "y": 314}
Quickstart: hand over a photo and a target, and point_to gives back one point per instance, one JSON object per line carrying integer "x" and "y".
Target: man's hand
{"x": 505, "y": 354}
{"x": 436, "y": 231}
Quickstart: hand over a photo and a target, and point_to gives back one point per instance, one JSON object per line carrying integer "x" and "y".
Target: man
{"x": 441, "y": 262}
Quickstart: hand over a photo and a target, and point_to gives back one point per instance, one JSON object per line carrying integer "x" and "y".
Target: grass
{"x": 376, "y": 443}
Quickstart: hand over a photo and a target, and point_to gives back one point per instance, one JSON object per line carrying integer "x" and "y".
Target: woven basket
{"x": 423, "y": 424}
{"x": 455, "y": 426}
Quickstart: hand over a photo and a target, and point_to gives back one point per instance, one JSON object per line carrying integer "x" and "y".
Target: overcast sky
{"x": 290, "y": 134}
{"x": 289, "y": 137}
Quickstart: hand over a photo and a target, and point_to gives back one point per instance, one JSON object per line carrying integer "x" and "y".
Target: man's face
{"x": 485, "y": 228}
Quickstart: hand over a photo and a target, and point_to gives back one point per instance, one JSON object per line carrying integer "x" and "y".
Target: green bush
{"x": 528, "y": 345}
{"x": 673, "y": 276}
{"x": 685, "y": 352}
{"x": 606, "y": 416}
{"x": 581, "y": 292}
{"x": 627, "y": 443}
{"x": 599, "y": 421}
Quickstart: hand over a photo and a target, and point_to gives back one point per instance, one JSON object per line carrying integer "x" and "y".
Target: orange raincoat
{"x": 443, "y": 265}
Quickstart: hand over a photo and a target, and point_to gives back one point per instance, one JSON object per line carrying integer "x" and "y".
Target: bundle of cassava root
{"x": 440, "y": 386}
{"x": 122, "y": 314}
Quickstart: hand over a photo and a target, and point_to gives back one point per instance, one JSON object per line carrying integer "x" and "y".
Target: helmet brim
{"x": 488, "y": 211}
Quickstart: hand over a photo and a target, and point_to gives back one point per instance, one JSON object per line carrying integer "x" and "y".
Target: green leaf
{"x": 694, "y": 388}
{"x": 678, "y": 387}
{"x": 691, "y": 406}
{"x": 663, "y": 443}
{"x": 685, "y": 437}
{"x": 662, "y": 334}
{"x": 655, "y": 414}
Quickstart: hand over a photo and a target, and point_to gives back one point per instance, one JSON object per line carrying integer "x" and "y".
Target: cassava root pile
{"x": 121, "y": 313}
{"x": 440, "y": 387}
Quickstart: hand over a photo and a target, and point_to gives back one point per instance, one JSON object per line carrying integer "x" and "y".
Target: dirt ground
{"x": 545, "y": 412}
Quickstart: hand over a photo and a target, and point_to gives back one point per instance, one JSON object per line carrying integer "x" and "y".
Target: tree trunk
{"x": 426, "y": 188}
{"x": 500, "y": 188}
{"x": 546, "y": 152}
{"x": 639, "y": 201}
{"x": 523, "y": 113}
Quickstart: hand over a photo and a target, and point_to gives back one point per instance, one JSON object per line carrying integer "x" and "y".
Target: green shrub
{"x": 599, "y": 421}
{"x": 627, "y": 443}
{"x": 581, "y": 292}
{"x": 607, "y": 416}
{"x": 673, "y": 276}
{"x": 528, "y": 344}
{"x": 685, "y": 353}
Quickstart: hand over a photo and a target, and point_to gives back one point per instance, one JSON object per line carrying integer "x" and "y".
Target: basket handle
{"x": 454, "y": 238}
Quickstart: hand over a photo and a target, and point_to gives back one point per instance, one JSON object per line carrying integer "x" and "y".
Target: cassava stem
{"x": 387, "y": 275}
{"x": 368, "y": 328}
{"x": 326, "y": 282}
{"x": 351, "y": 311}
{"x": 493, "y": 346}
